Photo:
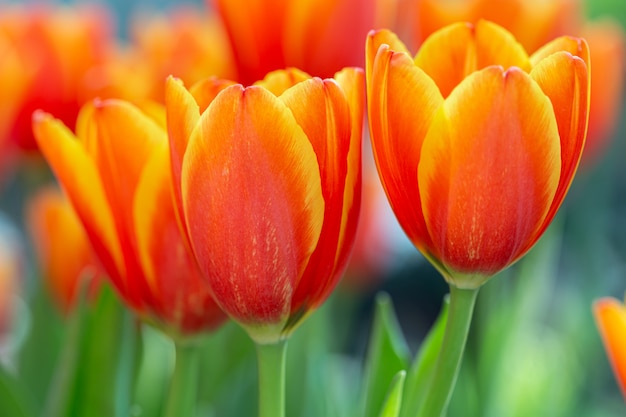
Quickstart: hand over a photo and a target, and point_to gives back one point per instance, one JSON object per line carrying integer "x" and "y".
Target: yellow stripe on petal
{"x": 154, "y": 218}
{"x": 253, "y": 202}
{"x": 610, "y": 317}
{"x": 81, "y": 181}
{"x": 489, "y": 170}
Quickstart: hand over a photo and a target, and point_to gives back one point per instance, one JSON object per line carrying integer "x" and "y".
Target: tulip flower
{"x": 319, "y": 37}
{"x": 64, "y": 252}
{"x": 610, "y": 316}
{"x": 269, "y": 189}
{"x": 115, "y": 172}
{"x": 57, "y": 47}
{"x": 476, "y": 144}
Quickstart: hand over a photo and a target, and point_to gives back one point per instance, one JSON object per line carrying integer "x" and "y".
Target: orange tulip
{"x": 62, "y": 247}
{"x": 269, "y": 184}
{"x": 610, "y": 315}
{"x": 57, "y": 46}
{"x": 319, "y": 37}
{"x": 607, "y": 46}
{"x": 532, "y": 22}
{"x": 116, "y": 173}
{"x": 475, "y": 142}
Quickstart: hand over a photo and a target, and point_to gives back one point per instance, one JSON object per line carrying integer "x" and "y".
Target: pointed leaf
{"x": 388, "y": 354}
{"x": 391, "y": 407}
{"x": 422, "y": 368}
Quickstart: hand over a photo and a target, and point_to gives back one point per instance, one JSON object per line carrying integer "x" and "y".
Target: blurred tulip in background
{"x": 122, "y": 194}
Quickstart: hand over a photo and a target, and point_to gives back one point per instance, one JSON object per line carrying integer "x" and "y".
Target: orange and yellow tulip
{"x": 11, "y": 274}
{"x": 268, "y": 181}
{"x": 62, "y": 248}
{"x": 476, "y": 143}
{"x": 116, "y": 173}
{"x": 319, "y": 37}
{"x": 610, "y": 316}
{"x": 57, "y": 47}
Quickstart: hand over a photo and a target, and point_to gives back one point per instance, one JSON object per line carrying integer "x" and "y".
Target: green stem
{"x": 181, "y": 400}
{"x": 449, "y": 361}
{"x": 272, "y": 378}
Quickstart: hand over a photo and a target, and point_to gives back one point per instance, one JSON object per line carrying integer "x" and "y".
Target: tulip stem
{"x": 272, "y": 378}
{"x": 449, "y": 361}
{"x": 181, "y": 400}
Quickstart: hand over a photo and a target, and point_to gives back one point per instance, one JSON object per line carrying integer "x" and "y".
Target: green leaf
{"x": 96, "y": 373}
{"x": 391, "y": 407}
{"x": 388, "y": 353}
{"x": 14, "y": 400}
{"x": 419, "y": 375}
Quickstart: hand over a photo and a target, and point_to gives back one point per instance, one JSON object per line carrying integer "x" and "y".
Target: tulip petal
{"x": 251, "y": 189}
{"x": 374, "y": 40}
{"x": 455, "y": 51}
{"x": 280, "y": 80}
{"x": 183, "y": 114}
{"x": 178, "y": 294}
{"x": 402, "y": 103}
{"x": 204, "y": 92}
{"x": 67, "y": 157}
{"x": 125, "y": 139}
{"x": 575, "y": 46}
{"x": 489, "y": 169}
{"x": 610, "y": 317}
{"x": 321, "y": 110}
{"x": 564, "y": 79}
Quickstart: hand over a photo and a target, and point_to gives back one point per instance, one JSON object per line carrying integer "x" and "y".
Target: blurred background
{"x": 533, "y": 349}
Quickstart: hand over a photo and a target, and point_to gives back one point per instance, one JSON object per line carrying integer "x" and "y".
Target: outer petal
{"x": 375, "y": 39}
{"x": 610, "y": 317}
{"x": 455, "y": 51}
{"x": 179, "y": 298}
{"x": 125, "y": 138}
{"x": 565, "y": 80}
{"x": 253, "y": 202}
{"x": 183, "y": 114}
{"x": 402, "y": 103}
{"x": 66, "y": 157}
{"x": 488, "y": 173}
{"x": 322, "y": 111}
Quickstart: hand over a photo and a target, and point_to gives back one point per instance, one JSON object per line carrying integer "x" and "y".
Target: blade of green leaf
{"x": 14, "y": 400}
{"x": 96, "y": 373}
{"x": 388, "y": 353}
{"x": 391, "y": 407}
{"x": 421, "y": 370}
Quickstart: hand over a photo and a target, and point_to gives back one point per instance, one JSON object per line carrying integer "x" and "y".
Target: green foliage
{"x": 388, "y": 354}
